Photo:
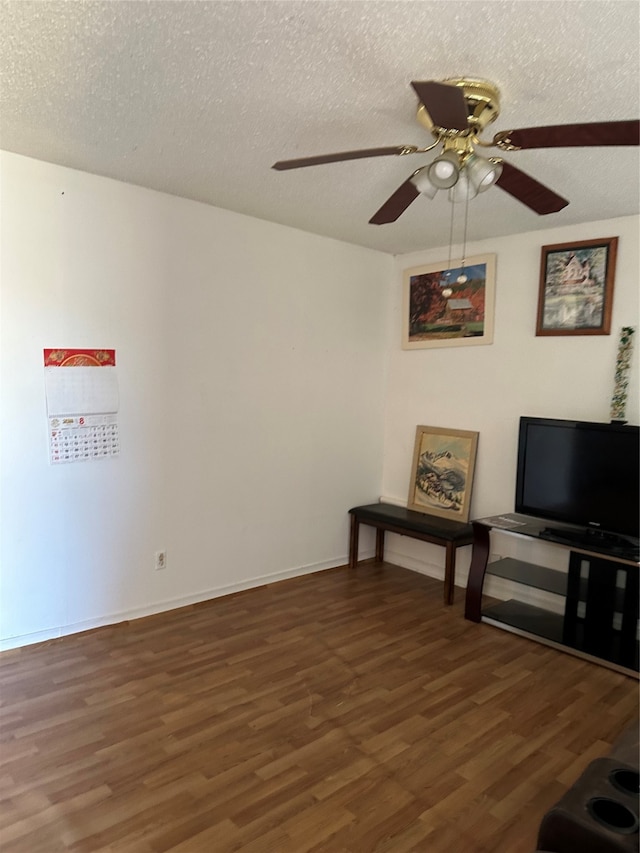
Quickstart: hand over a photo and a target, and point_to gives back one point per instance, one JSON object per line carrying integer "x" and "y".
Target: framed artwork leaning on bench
{"x": 442, "y": 472}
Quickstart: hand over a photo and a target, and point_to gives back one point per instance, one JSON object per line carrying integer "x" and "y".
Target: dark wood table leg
{"x": 353, "y": 542}
{"x": 379, "y": 544}
{"x": 449, "y": 573}
{"x": 479, "y": 560}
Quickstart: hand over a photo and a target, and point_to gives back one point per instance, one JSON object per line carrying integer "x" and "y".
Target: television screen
{"x": 579, "y": 473}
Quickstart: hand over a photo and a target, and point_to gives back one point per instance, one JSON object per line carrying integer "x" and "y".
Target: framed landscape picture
{"x": 442, "y": 472}
{"x": 576, "y": 287}
{"x": 449, "y": 304}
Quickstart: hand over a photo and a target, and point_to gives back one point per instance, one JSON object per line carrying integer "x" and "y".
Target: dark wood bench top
{"x": 416, "y": 522}
{"x": 451, "y": 535}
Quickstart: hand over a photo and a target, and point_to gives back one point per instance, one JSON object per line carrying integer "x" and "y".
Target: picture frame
{"x": 442, "y": 472}
{"x": 576, "y": 287}
{"x": 440, "y": 311}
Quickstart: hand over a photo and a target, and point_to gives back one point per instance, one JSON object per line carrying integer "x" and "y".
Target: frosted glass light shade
{"x": 463, "y": 190}
{"x": 422, "y": 183}
{"x": 482, "y": 173}
{"x": 443, "y": 172}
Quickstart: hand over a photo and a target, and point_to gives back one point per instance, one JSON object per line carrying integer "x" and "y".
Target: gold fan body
{"x": 483, "y": 106}
{"x": 482, "y": 99}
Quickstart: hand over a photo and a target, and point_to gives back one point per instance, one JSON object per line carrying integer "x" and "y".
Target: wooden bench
{"x": 451, "y": 535}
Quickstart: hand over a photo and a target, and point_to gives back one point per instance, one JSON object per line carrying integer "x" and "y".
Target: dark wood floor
{"x": 341, "y": 711}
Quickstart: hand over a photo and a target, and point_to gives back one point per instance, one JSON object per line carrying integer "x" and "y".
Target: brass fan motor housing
{"x": 483, "y": 106}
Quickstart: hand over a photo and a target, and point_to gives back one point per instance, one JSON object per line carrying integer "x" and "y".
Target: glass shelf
{"x": 529, "y": 574}
{"x": 539, "y": 623}
{"x": 526, "y": 617}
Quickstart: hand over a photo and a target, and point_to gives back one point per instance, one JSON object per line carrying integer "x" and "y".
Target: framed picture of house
{"x": 449, "y": 304}
{"x": 576, "y": 287}
{"x": 442, "y": 472}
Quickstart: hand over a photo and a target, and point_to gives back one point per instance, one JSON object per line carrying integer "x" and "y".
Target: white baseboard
{"x": 494, "y": 587}
{"x": 54, "y": 633}
{"x": 395, "y": 501}
{"x": 405, "y": 561}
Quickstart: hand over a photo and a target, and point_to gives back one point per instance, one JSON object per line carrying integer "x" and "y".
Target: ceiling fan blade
{"x": 444, "y": 103}
{"x": 577, "y": 135}
{"x": 343, "y": 155}
{"x": 529, "y": 191}
{"x": 396, "y": 204}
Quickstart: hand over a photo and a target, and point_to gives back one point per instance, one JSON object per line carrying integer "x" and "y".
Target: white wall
{"x": 487, "y": 388}
{"x": 251, "y": 363}
{"x": 255, "y": 364}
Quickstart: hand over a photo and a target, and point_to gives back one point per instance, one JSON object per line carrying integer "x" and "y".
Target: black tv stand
{"x": 600, "y": 541}
{"x": 589, "y": 608}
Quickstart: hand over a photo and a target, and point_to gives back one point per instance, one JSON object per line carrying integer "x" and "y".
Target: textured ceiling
{"x": 198, "y": 99}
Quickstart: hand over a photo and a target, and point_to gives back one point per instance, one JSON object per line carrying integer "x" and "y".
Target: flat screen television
{"x": 580, "y": 473}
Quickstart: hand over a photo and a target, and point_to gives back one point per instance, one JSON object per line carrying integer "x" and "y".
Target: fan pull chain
{"x": 462, "y": 277}
{"x": 448, "y": 272}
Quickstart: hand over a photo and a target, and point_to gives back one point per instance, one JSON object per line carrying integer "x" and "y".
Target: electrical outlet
{"x": 161, "y": 560}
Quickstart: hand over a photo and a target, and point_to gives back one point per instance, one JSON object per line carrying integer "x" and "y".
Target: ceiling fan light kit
{"x": 464, "y": 177}
{"x": 456, "y": 111}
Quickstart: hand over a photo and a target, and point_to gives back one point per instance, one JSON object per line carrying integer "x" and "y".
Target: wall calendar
{"x": 82, "y": 404}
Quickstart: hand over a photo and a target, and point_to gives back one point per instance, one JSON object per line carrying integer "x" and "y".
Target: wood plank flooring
{"x": 346, "y": 711}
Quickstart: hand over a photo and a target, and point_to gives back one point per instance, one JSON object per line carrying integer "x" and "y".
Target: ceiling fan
{"x": 455, "y": 111}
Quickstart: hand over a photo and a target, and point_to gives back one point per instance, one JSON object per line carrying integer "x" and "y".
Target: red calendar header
{"x": 79, "y": 358}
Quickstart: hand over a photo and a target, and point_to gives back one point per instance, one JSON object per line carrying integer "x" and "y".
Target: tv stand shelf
{"x": 526, "y": 618}
{"x": 600, "y": 593}
{"x": 529, "y": 574}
